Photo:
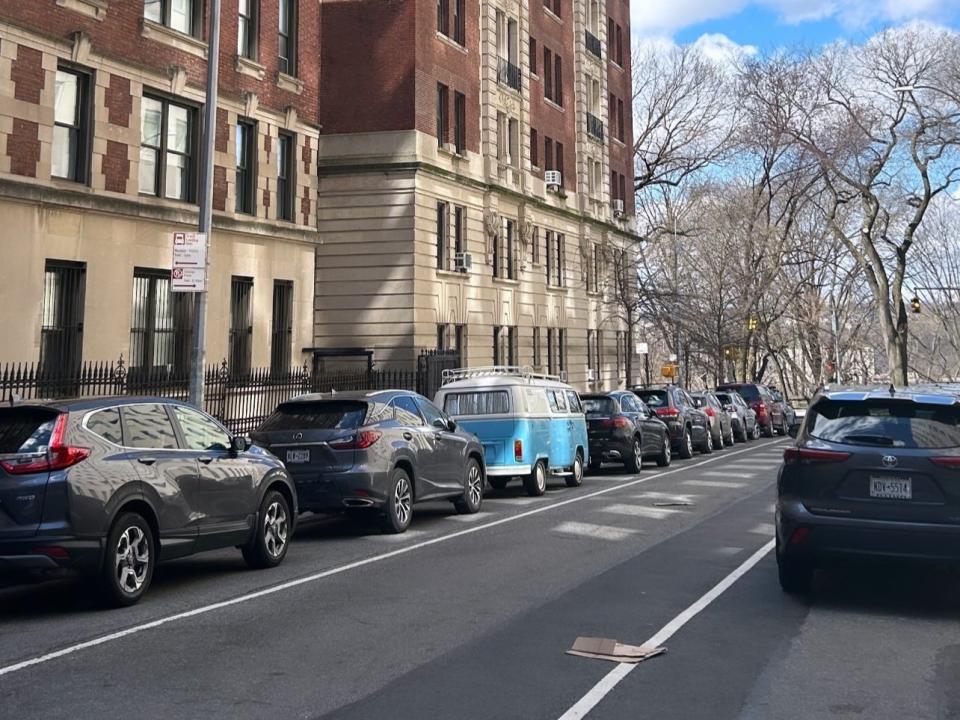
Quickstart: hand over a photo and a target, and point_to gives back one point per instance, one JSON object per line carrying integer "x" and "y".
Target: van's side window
{"x": 573, "y": 400}
{"x": 496, "y": 402}
{"x": 557, "y": 400}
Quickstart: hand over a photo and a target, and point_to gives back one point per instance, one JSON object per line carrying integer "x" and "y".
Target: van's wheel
{"x": 686, "y": 445}
{"x": 635, "y": 462}
{"x": 576, "y": 480}
{"x": 497, "y": 483}
{"x": 399, "y": 508}
{"x": 536, "y": 482}
{"x": 472, "y": 498}
{"x": 129, "y": 560}
{"x": 272, "y": 535}
{"x": 663, "y": 459}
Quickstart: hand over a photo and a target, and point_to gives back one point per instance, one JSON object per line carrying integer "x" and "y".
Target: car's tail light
{"x": 795, "y": 455}
{"x": 361, "y": 441}
{"x": 947, "y": 461}
{"x": 518, "y": 450}
{"x": 56, "y": 553}
{"x": 799, "y": 535}
{"x": 668, "y": 412}
{"x": 710, "y": 411}
{"x": 57, "y": 457}
{"x": 761, "y": 406}
{"x": 617, "y": 422}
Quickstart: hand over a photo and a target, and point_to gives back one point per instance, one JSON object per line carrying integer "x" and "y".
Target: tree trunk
{"x": 629, "y": 350}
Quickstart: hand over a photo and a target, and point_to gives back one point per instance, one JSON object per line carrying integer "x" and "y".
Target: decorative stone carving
{"x": 81, "y": 47}
{"x": 178, "y": 79}
{"x": 290, "y": 118}
{"x": 491, "y": 227}
{"x": 250, "y": 103}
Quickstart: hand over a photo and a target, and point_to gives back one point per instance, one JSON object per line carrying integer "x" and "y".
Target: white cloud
{"x": 721, "y": 49}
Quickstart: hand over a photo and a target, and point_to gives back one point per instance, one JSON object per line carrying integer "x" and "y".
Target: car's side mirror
{"x": 238, "y": 444}
{"x": 451, "y": 425}
{"x": 794, "y": 430}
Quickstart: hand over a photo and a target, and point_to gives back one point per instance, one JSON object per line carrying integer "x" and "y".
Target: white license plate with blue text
{"x": 891, "y": 488}
{"x": 298, "y": 456}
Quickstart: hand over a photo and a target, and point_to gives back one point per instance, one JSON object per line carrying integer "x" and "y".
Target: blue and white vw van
{"x": 531, "y": 425}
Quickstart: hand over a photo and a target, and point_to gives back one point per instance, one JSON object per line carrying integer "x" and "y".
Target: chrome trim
{"x": 508, "y": 470}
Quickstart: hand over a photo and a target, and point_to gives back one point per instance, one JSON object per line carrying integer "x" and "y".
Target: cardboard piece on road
{"x": 604, "y": 649}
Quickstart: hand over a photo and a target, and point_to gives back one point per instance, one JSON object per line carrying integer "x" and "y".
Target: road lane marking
{"x": 724, "y": 473}
{"x": 667, "y": 497}
{"x": 651, "y": 513}
{"x": 714, "y": 484}
{"x": 728, "y": 551}
{"x": 603, "y": 688}
{"x": 314, "y": 577}
{"x": 595, "y": 532}
{"x": 766, "y": 529}
{"x": 482, "y": 515}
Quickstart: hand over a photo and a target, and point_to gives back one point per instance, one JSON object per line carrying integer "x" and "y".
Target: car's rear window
{"x": 654, "y": 398}
{"x": 598, "y": 406}
{"x": 724, "y": 399}
{"x": 495, "y": 402}
{"x": 747, "y": 392}
{"x": 323, "y": 415}
{"x": 885, "y": 423}
{"x": 25, "y": 430}
{"x": 699, "y": 401}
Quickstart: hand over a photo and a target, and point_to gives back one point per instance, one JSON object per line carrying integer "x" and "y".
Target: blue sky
{"x": 768, "y": 24}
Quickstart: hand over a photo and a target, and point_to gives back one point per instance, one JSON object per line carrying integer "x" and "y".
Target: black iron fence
{"x": 508, "y": 74}
{"x": 593, "y": 43}
{"x": 239, "y": 402}
{"x": 595, "y": 126}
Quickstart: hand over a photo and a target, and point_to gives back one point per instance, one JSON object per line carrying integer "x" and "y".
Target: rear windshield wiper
{"x": 869, "y": 439}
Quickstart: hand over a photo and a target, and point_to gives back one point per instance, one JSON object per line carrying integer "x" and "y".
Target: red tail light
{"x": 794, "y": 455}
{"x": 761, "y": 406}
{"x": 58, "y": 457}
{"x": 518, "y": 450}
{"x": 617, "y": 422}
{"x": 361, "y": 441}
{"x": 668, "y": 412}
{"x": 799, "y": 535}
{"x": 710, "y": 411}
{"x": 949, "y": 461}
{"x": 57, "y": 553}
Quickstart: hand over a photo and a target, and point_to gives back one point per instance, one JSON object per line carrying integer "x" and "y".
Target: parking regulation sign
{"x": 188, "y": 272}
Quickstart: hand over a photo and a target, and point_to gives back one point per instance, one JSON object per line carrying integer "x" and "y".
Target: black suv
{"x": 688, "y": 426}
{"x": 110, "y": 486}
{"x": 622, "y": 429}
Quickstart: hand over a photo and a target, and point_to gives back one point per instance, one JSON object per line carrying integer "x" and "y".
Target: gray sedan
{"x": 742, "y": 416}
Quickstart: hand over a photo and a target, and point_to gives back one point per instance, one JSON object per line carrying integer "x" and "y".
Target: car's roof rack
{"x": 525, "y": 372}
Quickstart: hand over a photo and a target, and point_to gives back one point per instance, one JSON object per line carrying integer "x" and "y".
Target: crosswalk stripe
{"x": 640, "y": 511}
{"x": 598, "y": 532}
{"x": 668, "y": 497}
{"x": 724, "y": 473}
{"x": 397, "y": 538}
{"x": 728, "y": 551}
{"x": 470, "y": 518}
{"x": 515, "y": 500}
{"x": 764, "y": 529}
{"x": 714, "y": 484}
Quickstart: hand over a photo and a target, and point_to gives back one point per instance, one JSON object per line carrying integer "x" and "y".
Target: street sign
{"x": 642, "y": 348}
{"x": 669, "y": 371}
{"x": 188, "y": 272}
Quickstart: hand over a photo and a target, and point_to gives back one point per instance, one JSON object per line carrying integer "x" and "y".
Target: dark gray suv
{"x": 375, "y": 452}
{"x": 109, "y": 486}
{"x": 874, "y": 472}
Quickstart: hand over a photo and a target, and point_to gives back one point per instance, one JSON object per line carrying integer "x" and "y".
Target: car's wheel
{"x": 271, "y": 538}
{"x": 756, "y": 431}
{"x": 686, "y": 445}
{"x": 708, "y": 443}
{"x": 768, "y": 429}
{"x": 796, "y": 576}
{"x": 576, "y": 479}
{"x": 744, "y": 435}
{"x": 663, "y": 459}
{"x": 634, "y": 463}
{"x": 129, "y": 561}
{"x": 731, "y": 438}
{"x": 497, "y": 483}
{"x": 472, "y": 497}
{"x": 399, "y": 508}
{"x": 536, "y": 482}
{"x": 782, "y": 430}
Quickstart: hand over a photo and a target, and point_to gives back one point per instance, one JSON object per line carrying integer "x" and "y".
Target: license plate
{"x": 891, "y": 488}
{"x": 298, "y": 456}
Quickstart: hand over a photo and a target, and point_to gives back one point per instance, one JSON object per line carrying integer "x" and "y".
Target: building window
{"x": 610, "y": 34}
{"x": 497, "y": 341}
{"x": 620, "y": 121}
{"x": 459, "y": 217}
{"x": 503, "y": 249}
{"x": 619, "y": 46}
{"x": 460, "y": 122}
{"x": 598, "y": 349}
{"x": 536, "y": 347}
{"x": 534, "y": 149}
{"x": 591, "y": 349}
{"x": 555, "y": 259}
{"x": 558, "y": 80}
{"x": 460, "y": 338}
{"x": 535, "y": 246}
{"x": 180, "y": 15}
{"x": 559, "y": 164}
{"x": 443, "y": 17}
{"x": 286, "y": 175}
{"x": 456, "y": 31}
{"x": 533, "y": 56}
{"x": 547, "y": 153}
{"x": 443, "y": 121}
{"x": 161, "y": 323}
{"x": 166, "y": 149}
{"x": 553, "y": 6}
{"x": 281, "y": 332}
{"x": 287, "y": 37}
{"x": 241, "y": 326}
{"x": 443, "y": 245}
{"x": 246, "y": 154}
{"x": 623, "y": 190}
{"x": 61, "y": 329}
{"x": 71, "y": 116}
{"x": 621, "y": 355}
{"x": 505, "y": 345}
{"x": 247, "y": 19}
{"x": 459, "y": 22}
{"x": 443, "y": 336}
{"x": 562, "y": 349}
{"x": 547, "y": 73}
{"x": 551, "y": 351}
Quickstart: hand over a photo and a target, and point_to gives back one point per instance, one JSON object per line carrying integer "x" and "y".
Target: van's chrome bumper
{"x": 508, "y": 470}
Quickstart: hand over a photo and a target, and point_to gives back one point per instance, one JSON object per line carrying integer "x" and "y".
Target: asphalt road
{"x": 470, "y": 617}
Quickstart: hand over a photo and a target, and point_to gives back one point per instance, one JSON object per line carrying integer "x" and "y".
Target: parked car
{"x": 720, "y": 426}
{"x": 622, "y": 429}
{"x": 769, "y": 414}
{"x": 742, "y": 416}
{"x": 873, "y": 472}
{"x": 111, "y": 486}
{"x": 789, "y": 414}
{"x": 531, "y": 425}
{"x": 378, "y": 452}
{"x": 687, "y": 424}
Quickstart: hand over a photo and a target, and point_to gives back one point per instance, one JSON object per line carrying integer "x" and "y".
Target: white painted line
{"x": 639, "y": 511}
{"x": 595, "y": 532}
{"x": 482, "y": 515}
{"x": 397, "y": 538}
{"x": 669, "y": 497}
{"x": 613, "y": 678}
{"x": 747, "y": 462}
{"x": 314, "y": 577}
{"x": 725, "y": 474}
{"x": 516, "y": 500}
{"x": 728, "y": 551}
{"x": 714, "y": 484}
{"x": 766, "y": 529}
{"x": 772, "y": 508}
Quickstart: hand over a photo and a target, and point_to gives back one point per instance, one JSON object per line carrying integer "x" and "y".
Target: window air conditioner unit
{"x": 552, "y": 178}
{"x": 591, "y": 375}
{"x": 618, "y": 208}
{"x": 463, "y": 261}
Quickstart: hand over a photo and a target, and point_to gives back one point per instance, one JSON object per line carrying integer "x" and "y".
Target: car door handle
{"x": 206, "y": 460}
{"x": 408, "y": 436}
{"x": 146, "y": 460}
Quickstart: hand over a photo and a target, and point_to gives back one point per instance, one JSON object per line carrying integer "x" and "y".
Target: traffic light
{"x": 915, "y": 305}
{"x": 752, "y": 323}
